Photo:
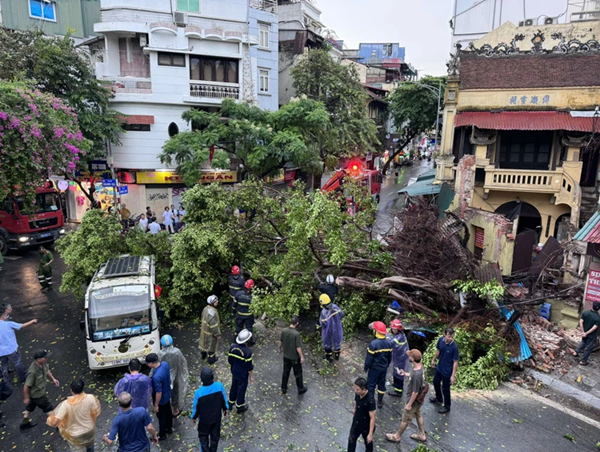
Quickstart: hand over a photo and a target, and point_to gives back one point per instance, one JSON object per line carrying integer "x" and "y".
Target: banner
{"x": 171, "y": 177}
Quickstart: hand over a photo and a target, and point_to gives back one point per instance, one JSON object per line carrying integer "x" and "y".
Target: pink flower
{"x": 3, "y": 115}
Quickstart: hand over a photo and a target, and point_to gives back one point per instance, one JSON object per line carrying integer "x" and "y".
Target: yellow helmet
{"x": 324, "y": 299}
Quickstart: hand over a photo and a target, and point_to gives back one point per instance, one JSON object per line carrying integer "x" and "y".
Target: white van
{"x": 121, "y": 318}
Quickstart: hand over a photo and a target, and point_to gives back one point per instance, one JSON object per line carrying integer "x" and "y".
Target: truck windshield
{"x": 44, "y": 202}
{"x": 120, "y": 311}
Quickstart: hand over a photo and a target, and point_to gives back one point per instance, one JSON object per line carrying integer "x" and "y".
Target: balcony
{"x": 269, "y": 6}
{"x": 523, "y": 180}
{"x": 129, "y": 85}
{"x": 212, "y": 92}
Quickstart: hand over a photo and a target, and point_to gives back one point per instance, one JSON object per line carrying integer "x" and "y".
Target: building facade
{"x": 519, "y": 128}
{"x": 164, "y": 57}
{"x": 51, "y": 17}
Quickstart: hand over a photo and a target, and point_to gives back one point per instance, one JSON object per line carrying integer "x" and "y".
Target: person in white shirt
{"x": 143, "y": 223}
{"x": 154, "y": 227}
{"x": 168, "y": 220}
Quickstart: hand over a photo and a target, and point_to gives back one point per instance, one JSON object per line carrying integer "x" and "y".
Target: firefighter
{"x": 332, "y": 332}
{"x": 210, "y": 334}
{"x": 240, "y": 360}
{"x": 45, "y": 270}
{"x": 236, "y": 283}
{"x": 244, "y": 318}
{"x": 379, "y": 356}
{"x": 329, "y": 288}
{"x": 399, "y": 355}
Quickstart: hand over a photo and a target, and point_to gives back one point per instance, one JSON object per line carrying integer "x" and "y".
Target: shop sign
{"x": 109, "y": 182}
{"x": 170, "y": 177}
{"x": 479, "y": 237}
{"x": 592, "y": 290}
{"x": 123, "y": 190}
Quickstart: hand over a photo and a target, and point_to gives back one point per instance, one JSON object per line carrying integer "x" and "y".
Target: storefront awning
{"x": 524, "y": 120}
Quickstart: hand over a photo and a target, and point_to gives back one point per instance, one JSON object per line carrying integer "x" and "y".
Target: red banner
{"x": 479, "y": 237}
{"x": 592, "y": 290}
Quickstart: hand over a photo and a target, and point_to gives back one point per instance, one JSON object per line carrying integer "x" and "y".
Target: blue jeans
{"x": 15, "y": 359}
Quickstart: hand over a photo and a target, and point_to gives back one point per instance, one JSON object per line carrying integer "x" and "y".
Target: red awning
{"x": 136, "y": 119}
{"x": 524, "y": 120}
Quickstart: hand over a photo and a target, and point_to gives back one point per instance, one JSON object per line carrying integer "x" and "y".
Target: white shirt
{"x": 181, "y": 212}
{"x": 154, "y": 228}
{"x": 144, "y": 223}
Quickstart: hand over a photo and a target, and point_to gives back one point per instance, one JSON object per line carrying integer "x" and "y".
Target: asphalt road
{"x": 503, "y": 420}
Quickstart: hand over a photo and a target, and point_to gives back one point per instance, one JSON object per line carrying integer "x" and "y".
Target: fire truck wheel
{"x": 3, "y": 244}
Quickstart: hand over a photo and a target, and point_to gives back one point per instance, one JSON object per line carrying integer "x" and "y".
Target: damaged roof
{"x": 590, "y": 232}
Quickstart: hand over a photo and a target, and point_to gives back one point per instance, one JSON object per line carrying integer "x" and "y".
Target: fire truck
{"x": 370, "y": 178}
{"x": 42, "y": 224}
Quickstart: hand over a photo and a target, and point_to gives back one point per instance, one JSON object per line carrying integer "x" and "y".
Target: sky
{"x": 421, "y": 26}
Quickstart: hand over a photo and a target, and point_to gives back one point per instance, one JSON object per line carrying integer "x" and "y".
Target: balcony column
{"x": 445, "y": 161}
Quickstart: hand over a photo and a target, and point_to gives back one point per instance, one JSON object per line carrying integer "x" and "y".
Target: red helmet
{"x": 249, "y": 284}
{"x": 396, "y": 324}
{"x": 380, "y": 327}
{"x": 235, "y": 270}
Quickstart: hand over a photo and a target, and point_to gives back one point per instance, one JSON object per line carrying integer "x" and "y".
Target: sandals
{"x": 583, "y": 363}
{"x": 417, "y": 437}
{"x": 391, "y": 437}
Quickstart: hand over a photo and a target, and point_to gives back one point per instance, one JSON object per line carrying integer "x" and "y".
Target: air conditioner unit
{"x": 180, "y": 19}
{"x": 143, "y": 39}
{"x": 550, "y": 20}
{"x": 527, "y": 22}
{"x": 307, "y": 21}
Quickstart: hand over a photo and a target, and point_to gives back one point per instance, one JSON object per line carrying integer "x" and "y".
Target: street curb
{"x": 581, "y": 397}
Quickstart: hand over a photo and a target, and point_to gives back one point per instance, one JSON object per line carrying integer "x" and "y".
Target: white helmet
{"x": 212, "y": 300}
{"x": 330, "y": 279}
{"x": 243, "y": 337}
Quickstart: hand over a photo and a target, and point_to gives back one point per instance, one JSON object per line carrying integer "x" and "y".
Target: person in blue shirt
{"x": 9, "y": 349}
{"x": 240, "y": 360}
{"x": 210, "y": 404}
{"x": 131, "y": 426}
{"x": 445, "y": 372}
{"x": 161, "y": 394}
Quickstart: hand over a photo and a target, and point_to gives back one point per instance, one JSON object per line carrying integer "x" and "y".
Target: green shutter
{"x": 182, "y": 5}
{"x": 194, "y": 5}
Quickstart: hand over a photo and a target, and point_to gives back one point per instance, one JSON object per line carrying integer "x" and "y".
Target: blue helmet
{"x": 166, "y": 340}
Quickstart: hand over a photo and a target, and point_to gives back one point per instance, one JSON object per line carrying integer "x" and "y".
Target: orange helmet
{"x": 396, "y": 324}
{"x": 235, "y": 270}
{"x": 380, "y": 327}
{"x": 249, "y": 284}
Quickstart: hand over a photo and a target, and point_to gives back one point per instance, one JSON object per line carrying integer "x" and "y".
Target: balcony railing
{"x": 214, "y": 90}
{"x": 130, "y": 85}
{"x": 523, "y": 180}
{"x": 269, "y": 6}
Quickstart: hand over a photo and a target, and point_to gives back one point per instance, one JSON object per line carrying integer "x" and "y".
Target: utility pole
{"x": 437, "y": 117}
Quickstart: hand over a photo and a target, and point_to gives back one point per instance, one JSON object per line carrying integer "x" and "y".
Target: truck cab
{"x": 121, "y": 317}
{"x": 41, "y": 224}
{"x": 371, "y": 179}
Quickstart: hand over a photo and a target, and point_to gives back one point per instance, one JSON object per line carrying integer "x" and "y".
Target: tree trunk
{"x": 395, "y": 153}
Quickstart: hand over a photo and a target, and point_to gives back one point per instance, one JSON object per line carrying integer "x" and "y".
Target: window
{"x": 264, "y": 81}
{"x": 42, "y": 9}
{"x": 171, "y": 59}
{"x": 136, "y": 127}
{"x": 263, "y": 35}
{"x": 189, "y": 5}
{"x": 211, "y": 69}
{"x": 173, "y": 129}
{"x": 525, "y": 150}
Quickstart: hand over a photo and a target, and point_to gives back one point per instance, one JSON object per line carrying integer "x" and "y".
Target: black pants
{"x": 354, "y": 435}
{"x": 6, "y": 388}
{"x": 376, "y": 379}
{"x": 244, "y": 322}
{"x": 442, "y": 388}
{"x": 165, "y": 419}
{"x": 288, "y": 365}
{"x": 586, "y": 346}
{"x": 398, "y": 385}
{"x": 237, "y": 393}
{"x": 209, "y": 436}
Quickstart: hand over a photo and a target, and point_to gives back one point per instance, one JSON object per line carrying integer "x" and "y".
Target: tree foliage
{"x": 98, "y": 239}
{"x": 264, "y": 141}
{"x": 39, "y": 135}
{"x": 413, "y": 108}
{"x": 320, "y": 77}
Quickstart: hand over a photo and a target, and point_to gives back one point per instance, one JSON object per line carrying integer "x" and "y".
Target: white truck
{"x": 121, "y": 317}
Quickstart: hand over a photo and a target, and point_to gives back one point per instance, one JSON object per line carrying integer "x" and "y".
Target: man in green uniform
{"x": 45, "y": 271}
{"x": 34, "y": 389}
{"x": 210, "y": 333}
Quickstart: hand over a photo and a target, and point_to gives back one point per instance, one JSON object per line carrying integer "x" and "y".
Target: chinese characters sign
{"x": 592, "y": 291}
{"x": 529, "y": 100}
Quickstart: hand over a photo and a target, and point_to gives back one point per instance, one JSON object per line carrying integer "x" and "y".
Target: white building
{"x": 471, "y": 20}
{"x": 164, "y": 57}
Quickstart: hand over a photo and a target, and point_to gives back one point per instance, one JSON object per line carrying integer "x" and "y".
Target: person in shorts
{"x": 34, "y": 390}
{"x": 412, "y": 410}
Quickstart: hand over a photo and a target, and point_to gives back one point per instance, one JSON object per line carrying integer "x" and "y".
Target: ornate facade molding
{"x": 453, "y": 64}
{"x": 576, "y": 142}
{"x": 482, "y": 137}
{"x": 249, "y": 89}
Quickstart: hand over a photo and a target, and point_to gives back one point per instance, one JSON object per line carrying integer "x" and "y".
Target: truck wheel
{"x": 3, "y": 245}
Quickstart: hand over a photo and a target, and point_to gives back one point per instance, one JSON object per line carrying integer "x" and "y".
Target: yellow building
{"x": 521, "y": 104}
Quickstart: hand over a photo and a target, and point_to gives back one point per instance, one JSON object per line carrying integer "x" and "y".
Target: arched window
{"x": 173, "y": 129}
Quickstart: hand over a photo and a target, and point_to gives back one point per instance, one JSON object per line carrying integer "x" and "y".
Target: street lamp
{"x": 437, "y": 92}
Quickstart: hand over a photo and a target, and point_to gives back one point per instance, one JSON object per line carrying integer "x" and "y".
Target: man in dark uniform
{"x": 45, "y": 270}
{"x": 240, "y": 360}
{"x": 329, "y": 288}
{"x": 379, "y": 356}
{"x": 236, "y": 283}
{"x": 244, "y": 318}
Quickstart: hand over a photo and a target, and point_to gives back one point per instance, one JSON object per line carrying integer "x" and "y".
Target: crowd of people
{"x": 172, "y": 220}
{"x": 164, "y": 391}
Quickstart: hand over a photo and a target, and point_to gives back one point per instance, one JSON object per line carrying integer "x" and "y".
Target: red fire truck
{"x": 355, "y": 169}
{"x": 42, "y": 224}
